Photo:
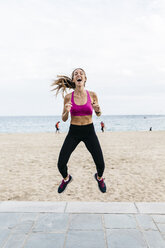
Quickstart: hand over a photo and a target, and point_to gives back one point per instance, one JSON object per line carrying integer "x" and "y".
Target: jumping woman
{"x": 80, "y": 104}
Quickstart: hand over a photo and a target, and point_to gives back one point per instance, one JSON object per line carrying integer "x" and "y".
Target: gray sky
{"x": 119, "y": 43}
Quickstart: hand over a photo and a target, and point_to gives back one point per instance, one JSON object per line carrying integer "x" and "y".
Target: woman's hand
{"x": 68, "y": 106}
{"x": 96, "y": 106}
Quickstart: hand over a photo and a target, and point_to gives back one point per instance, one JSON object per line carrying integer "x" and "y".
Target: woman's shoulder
{"x": 68, "y": 97}
{"x": 92, "y": 93}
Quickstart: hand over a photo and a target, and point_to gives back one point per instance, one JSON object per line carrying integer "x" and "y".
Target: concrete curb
{"x": 83, "y": 207}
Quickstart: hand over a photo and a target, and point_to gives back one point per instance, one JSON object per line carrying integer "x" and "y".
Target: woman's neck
{"x": 79, "y": 90}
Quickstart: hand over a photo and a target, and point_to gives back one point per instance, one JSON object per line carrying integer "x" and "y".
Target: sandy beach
{"x": 135, "y": 168}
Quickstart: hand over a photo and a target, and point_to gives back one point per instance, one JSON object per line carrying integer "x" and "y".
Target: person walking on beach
{"x": 80, "y": 104}
{"x": 102, "y": 126}
{"x": 57, "y": 127}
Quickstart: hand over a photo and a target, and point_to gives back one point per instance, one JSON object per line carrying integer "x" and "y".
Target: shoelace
{"x": 102, "y": 183}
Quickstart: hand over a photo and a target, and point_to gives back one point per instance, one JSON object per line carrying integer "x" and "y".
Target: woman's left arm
{"x": 95, "y": 104}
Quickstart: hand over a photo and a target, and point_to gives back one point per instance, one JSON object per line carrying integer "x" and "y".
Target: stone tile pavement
{"x": 82, "y": 225}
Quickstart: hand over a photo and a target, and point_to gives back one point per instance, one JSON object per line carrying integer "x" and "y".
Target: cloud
{"x": 120, "y": 44}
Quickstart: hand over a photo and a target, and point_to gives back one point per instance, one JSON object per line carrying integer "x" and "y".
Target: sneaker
{"x": 63, "y": 185}
{"x": 101, "y": 184}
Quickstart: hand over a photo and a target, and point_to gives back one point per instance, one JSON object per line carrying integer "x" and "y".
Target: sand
{"x": 135, "y": 168}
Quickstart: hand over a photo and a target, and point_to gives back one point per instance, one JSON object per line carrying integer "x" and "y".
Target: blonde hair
{"x": 64, "y": 82}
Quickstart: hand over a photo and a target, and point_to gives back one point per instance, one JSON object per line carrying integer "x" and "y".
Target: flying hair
{"x": 63, "y": 82}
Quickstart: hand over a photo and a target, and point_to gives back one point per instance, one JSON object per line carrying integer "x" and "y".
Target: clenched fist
{"x": 96, "y": 107}
{"x": 68, "y": 106}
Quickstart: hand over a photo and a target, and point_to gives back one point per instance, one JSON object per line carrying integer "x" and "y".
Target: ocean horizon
{"x": 37, "y": 124}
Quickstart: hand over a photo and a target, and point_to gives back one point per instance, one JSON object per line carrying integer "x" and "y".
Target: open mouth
{"x": 79, "y": 80}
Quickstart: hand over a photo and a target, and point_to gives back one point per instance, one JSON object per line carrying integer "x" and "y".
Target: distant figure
{"x": 150, "y": 128}
{"x": 57, "y": 127}
{"x": 102, "y": 126}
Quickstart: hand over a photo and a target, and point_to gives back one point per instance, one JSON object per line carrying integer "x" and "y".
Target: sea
{"x": 113, "y": 123}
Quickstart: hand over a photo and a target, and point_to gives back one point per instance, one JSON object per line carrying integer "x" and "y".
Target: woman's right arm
{"x": 67, "y": 107}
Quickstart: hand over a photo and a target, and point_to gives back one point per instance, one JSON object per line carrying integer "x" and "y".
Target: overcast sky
{"x": 119, "y": 43}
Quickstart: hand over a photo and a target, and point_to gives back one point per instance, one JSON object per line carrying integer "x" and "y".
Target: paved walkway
{"x": 82, "y": 225}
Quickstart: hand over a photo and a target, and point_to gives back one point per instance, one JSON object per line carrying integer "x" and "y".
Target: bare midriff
{"x": 81, "y": 120}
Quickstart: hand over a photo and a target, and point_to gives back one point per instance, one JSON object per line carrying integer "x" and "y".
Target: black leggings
{"x": 76, "y": 134}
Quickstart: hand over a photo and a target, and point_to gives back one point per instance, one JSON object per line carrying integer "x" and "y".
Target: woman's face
{"x": 79, "y": 77}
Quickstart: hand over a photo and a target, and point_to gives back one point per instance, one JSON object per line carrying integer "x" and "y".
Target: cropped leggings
{"x": 76, "y": 134}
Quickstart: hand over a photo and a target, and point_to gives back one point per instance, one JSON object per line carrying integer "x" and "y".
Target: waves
{"x": 35, "y": 124}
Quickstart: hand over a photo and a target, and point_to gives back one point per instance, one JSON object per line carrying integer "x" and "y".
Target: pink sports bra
{"x": 81, "y": 110}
